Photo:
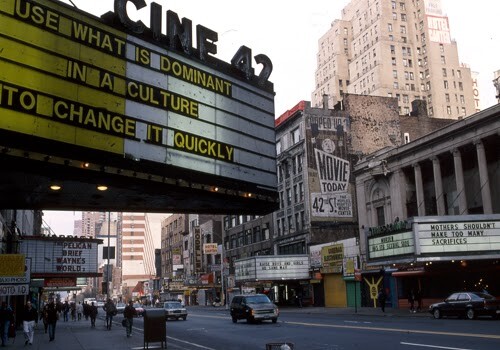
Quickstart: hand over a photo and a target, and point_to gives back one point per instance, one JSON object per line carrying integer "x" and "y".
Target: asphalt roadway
{"x": 78, "y": 335}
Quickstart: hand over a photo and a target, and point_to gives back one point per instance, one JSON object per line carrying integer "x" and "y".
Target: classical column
{"x": 438, "y": 186}
{"x": 397, "y": 188}
{"x": 420, "y": 189}
{"x": 460, "y": 183}
{"x": 483, "y": 178}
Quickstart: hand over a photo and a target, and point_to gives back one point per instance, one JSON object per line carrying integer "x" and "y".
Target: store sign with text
{"x": 278, "y": 267}
{"x": 60, "y": 256}
{"x": 391, "y": 245}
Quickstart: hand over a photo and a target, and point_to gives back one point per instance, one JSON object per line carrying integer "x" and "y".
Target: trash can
{"x": 155, "y": 329}
{"x": 279, "y": 346}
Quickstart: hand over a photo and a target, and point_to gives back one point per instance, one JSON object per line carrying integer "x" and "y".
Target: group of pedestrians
{"x": 412, "y": 297}
{"x": 50, "y": 313}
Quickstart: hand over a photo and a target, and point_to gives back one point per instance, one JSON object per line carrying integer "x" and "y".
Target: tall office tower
{"x": 395, "y": 48}
{"x": 137, "y": 250}
{"x": 92, "y": 222}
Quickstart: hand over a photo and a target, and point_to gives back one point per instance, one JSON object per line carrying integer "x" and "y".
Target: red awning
{"x": 409, "y": 273}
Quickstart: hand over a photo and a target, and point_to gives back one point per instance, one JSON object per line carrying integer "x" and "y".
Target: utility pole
{"x": 107, "y": 267}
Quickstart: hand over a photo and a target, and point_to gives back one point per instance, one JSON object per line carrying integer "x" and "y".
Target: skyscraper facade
{"x": 395, "y": 48}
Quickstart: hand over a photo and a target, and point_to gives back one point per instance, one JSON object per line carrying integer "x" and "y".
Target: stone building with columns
{"x": 429, "y": 211}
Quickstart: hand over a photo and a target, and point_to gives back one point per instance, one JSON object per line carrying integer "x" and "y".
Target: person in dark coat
{"x": 411, "y": 300}
{"x": 52, "y": 316}
{"x": 110, "y": 310}
{"x": 30, "y": 317}
{"x": 129, "y": 313}
{"x": 6, "y": 317}
{"x": 93, "y": 314}
{"x": 382, "y": 297}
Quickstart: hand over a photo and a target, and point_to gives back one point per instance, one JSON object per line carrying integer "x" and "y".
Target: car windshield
{"x": 258, "y": 299}
{"x": 172, "y": 306}
{"x": 137, "y": 305}
{"x": 483, "y": 295}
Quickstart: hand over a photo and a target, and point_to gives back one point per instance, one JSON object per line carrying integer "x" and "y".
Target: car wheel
{"x": 436, "y": 313}
{"x": 234, "y": 319}
{"x": 470, "y": 314}
{"x": 184, "y": 318}
{"x": 275, "y": 320}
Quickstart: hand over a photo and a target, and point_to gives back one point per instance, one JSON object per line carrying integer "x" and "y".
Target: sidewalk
{"x": 77, "y": 335}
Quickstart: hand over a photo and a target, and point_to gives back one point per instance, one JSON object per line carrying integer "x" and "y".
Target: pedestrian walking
{"x": 382, "y": 297}
{"x": 110, "y": 309}
{"x": 43, "y": 317}
{"x": 129, "y": 313}
{"x": 86, "y": 310}
{"x": 93, "y": 314}
{"x": 73, "y": 311}
{"x": 79, "y": 310}
{"x": 52, "y": 315}
{"x": 6, "y": 318}
{"x": 30, "y": 317}
{"x": 418, "y": 297}
{"x": 411, "y": 300}
{"x": 65, "y": 310}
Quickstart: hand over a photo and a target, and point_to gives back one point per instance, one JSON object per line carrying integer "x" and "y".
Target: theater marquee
{"x": 117, "y": 86}
{"x": 61, "y": 256}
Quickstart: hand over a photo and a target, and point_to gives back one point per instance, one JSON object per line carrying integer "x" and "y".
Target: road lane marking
{"x": 432, "y": 346}
{"x": 413, "y": 331}
{"x": 193, "y": 344}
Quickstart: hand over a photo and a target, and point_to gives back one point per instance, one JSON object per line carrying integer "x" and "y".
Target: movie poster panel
{"x": 330, "y": 180}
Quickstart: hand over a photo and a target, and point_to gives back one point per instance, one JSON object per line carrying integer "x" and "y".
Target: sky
{"x": 288, "y": 33}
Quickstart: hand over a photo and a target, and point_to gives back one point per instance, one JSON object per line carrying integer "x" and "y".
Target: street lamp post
{"x": 107, "y": 267}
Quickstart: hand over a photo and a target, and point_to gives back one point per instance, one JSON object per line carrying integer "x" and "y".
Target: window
{"x": 393, "y": 61}
{"x": 443, "y": 60}
{"x": 448, "y": 110}
{"x": 289, "y": 196}
{"x": 445, "y": 82}
{"x": 295, "y": 135}
{"x": 393, "y": 50}
{"x": 460, "y": 86}
{"x": 345, "y": 42}
{"x": 463, "y": 111}
{"x": 278, "y": 147}
{"x": 394, "y": 16}
{"x": 290, "y": 223}
{"x": 301, "y": 191}
{"x": 459, "y": 74}
{"x": 395, "y": 85}
{"x": 447, "y": 97}
{"x": 380, "y": 216}
{"x": 462, "y": 99}
{"x": 402, "y": 5}
{"x": 393, "y": 5}
{"x": 441, "y": 48}
{"x": 444, "y": 73}
{"x": 402, "y": 29}
{"x": 345, "y": 30}
{"x": 406, "y": 138}
{"x": 391, "y": 38}
{"x": 395, "y": 74}
{"x": 296, "y": 193}
{"x": 406, "y": 99}
{"x": 389, "y": 27}
{"x": 403, "y": 17}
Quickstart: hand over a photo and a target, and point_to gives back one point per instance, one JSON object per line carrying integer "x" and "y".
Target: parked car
{"x": 120, "y": 307}
{"x": 139, "y": 309}
{"x": 174, "y": 310}
{"x": 467, "y": 304}
{"x": 255, "y": 307}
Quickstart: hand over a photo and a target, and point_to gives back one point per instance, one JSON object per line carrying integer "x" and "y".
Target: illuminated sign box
{"x": 61, "y": 256}
{"x": 284, "y": 267}
{"x": 69, "y": 77}
{"x": 459, "y": 236}
{"x": 391, "y": 245}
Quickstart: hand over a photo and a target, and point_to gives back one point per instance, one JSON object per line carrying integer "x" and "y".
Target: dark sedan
{"x": 467, "y": 304}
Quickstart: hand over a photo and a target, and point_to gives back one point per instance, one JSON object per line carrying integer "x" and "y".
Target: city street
{"x": 307, "y": 328}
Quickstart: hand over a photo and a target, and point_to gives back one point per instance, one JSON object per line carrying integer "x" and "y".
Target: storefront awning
{"x": 408, "y": 273}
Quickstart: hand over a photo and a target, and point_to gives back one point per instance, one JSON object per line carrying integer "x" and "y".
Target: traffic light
{"x": 104, "y": 287}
